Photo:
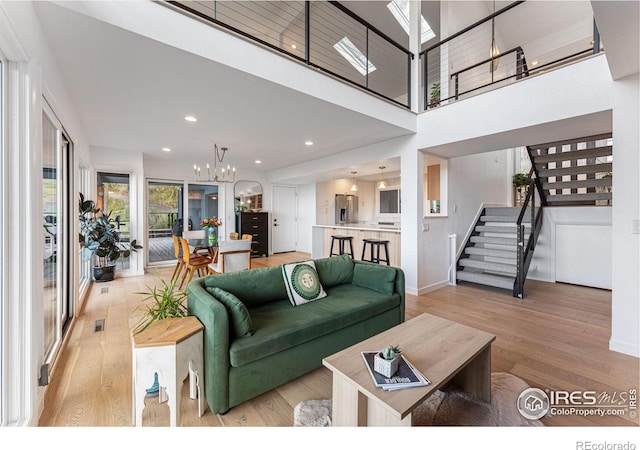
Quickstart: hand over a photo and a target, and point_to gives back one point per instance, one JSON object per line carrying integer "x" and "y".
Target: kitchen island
{"x": 321, "y": 239}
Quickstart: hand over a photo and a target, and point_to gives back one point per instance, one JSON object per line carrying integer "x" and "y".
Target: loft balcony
{"x": 467, "y": 47}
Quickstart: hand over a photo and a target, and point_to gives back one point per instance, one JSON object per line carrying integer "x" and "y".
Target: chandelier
{"x": 227, "y": 175}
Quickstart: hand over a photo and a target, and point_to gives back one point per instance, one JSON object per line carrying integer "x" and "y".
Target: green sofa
{"x": 287, "y": 341}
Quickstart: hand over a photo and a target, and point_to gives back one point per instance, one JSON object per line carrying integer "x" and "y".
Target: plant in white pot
{"x": 99, "y": 236}
{"x": 385, "y": 362}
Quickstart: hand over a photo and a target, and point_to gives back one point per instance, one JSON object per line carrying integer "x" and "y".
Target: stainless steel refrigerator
{"x": 346, "y": 209}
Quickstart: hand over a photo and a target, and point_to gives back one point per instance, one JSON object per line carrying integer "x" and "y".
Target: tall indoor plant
{"x": 520, "y": 183}
{"x": 99, "y": 236}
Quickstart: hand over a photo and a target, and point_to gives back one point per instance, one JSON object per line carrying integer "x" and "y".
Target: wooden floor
{"x": 555, "y": 338}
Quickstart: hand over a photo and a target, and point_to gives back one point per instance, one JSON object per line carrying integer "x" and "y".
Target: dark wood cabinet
{"x": 257, "y": 225}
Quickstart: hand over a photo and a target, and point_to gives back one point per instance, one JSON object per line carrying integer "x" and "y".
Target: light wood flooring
{"x": 555, "y": 338}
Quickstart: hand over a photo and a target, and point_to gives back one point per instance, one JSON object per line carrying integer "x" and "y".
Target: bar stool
{"x": 341, "y": 240}
{"x": 375, "y": 244}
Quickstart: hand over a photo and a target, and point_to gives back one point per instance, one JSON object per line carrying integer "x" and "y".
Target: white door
{"x": 284, "y": 218}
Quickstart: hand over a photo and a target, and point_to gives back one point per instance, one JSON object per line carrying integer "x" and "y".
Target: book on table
{"x": 407, "y": 376}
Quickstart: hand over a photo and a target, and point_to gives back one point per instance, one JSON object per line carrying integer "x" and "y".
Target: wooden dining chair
{"x": 192, "y": 263}
{"x": 178, "y": 253}
{"x": 197, "y": 234}
{"x": 233, "y": 256}
{"x": 247, "y": 236}
{"x": 233, "y": 236}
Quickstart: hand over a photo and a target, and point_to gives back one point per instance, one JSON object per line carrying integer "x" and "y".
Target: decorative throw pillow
{"x": 302, "y": 282}
{"x": 372, "y": 276}
{"x": 241, "y": 322}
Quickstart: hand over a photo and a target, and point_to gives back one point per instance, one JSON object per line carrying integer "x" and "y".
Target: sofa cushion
{"x": 241, "y": 323}
{"x": 254, "y": 287}
{"x": 302, "y": 282}
{"x": 335, "y": 270}
{"x": 278, "y": 326}
{"x": 379, "y": 278}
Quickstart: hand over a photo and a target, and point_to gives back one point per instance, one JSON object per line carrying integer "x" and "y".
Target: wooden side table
{"x": 172, "y": 348}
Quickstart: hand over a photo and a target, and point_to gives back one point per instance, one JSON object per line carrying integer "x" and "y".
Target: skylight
{"x": 354, "y": 56}
{"x": 400, "y": 10}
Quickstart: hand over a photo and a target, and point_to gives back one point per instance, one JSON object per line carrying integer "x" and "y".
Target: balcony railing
{"x": 324, "y": 35}
{"x": 531, "y": 38}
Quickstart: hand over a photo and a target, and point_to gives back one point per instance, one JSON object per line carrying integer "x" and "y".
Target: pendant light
{"x": 354, "y": 186}
{"x": 493, "y": 51}
{"x": 382, "y": 184}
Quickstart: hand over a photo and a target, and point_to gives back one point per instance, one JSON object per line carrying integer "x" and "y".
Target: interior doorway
{"x": 284, "y": 219}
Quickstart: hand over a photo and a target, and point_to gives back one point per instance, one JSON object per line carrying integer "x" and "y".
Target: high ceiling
{"x": 132, "y": 93}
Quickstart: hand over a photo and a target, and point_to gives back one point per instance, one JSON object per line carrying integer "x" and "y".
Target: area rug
{"x": 449, "y": 407}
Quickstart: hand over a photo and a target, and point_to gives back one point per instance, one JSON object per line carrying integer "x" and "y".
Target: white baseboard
{"x": 627, "y": 348}
{"x": 433, "y": 287}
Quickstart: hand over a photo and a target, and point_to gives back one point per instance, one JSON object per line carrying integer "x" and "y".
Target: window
{"x": 400, "y": 10}
{"x": 203, "y": 201}
{"x": 355, "y": 57}
{"x": 389, "y": 201}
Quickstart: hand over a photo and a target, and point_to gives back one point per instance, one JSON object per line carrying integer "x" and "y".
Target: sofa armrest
{"x": 398, "y": 283}
{"x": 213, "y": 315}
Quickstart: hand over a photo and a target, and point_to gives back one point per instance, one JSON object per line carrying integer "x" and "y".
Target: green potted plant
{"x": 434, "y": 96}
{"x": 385, "y": 362}
{"x": 99, "y": 236}
{"x": 161, "y": 303}
{"x": 520, "y": 183}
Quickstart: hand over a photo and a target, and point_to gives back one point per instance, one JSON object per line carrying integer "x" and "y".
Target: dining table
{"x": 197, "y": 244}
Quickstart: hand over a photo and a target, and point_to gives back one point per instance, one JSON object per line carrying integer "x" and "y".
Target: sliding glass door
{"x": 55, "y": 237}
{"x": 164, "y": 219}
{"x": 174, "y": 207}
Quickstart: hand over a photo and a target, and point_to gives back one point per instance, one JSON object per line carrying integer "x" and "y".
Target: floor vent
{"x": 104, "y": 290}
{"x": 99, "y": 325}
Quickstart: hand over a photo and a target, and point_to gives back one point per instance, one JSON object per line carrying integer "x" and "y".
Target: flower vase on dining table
{"x": 212, "y": 232}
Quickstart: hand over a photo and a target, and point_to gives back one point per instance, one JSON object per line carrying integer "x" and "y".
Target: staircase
{"x": 573, "y": 172}
{"x": 490, "y": 256}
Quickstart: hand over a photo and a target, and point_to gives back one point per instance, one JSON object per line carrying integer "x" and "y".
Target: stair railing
{"x": 525, "y": 253}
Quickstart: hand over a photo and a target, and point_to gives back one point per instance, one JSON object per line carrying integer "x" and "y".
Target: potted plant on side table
{"x": 99, "y": 236}
{"x": 160, "y": 303}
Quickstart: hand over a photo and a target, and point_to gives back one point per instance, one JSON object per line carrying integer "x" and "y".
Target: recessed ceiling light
{"x": 293, "y": 46}
{"x": 535, "y": 63}
{"x": 308, "y": 143}
{"x": 190, "y": 119}
{"x": 257, "y": 161}
{"x": 166, "y": 149}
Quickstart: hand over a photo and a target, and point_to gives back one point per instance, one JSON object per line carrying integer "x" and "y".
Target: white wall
{"x": 593, "y": 224}
{"x": 625, "y": 335}
{"x": 563, "y": 103}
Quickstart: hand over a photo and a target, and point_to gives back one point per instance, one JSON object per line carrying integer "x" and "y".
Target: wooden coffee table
{"x": 444, "y": 351}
